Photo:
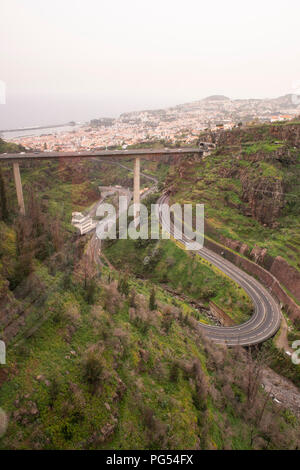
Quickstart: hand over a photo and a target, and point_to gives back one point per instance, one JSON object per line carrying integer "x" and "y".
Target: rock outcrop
{"x": 264, "y": 198}
{"x": 287, "y": 275}
{"x": 289, "y": 133}
{"x": 268, "y": 279}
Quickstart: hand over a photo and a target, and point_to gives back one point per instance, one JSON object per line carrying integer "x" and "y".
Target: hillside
{"x": 214, "y": 109}
{"x": 250, "y": 188}
{"x": 9, "y": 147}
{"x": 111, "y": 356}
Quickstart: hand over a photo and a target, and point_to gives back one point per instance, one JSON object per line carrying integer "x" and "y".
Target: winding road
{"x": 267, "y": 315}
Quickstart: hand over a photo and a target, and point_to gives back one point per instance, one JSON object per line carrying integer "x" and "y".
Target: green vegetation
{"x": 282, "y": 363}
{"x": 166, "y": 264}
{"x": 9, "y": 147}
{"x": 250, "y": 188}
{"x": 117, "y": 376}
{"x": 104, "y": 358}
{"x": 264, "y": 147}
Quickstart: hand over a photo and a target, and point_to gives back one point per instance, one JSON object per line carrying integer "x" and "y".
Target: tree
{"x": 167, "y": 318}
{"x": 25, "y": 252}
{"x": 3, "y": 200}
{"x": 174, "y": 372}
{"x": 56, "y": 234}
{"x": 132, "y": 299}
{"x": 54, "y": 389}
{"x": 85, "y": 270}
{"x": 91, "y": 291}
{"x": 256, "y": 361}
{"x": 123, "y": 286}
{"x": 152, "y": 300}
{"x": 92, "y": 370}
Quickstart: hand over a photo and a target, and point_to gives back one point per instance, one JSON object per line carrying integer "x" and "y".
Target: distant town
{"x": 179, "y": 125}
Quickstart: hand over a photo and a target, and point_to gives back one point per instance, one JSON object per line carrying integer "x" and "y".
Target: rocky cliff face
{"x": 282, "y": 272}
{"x": 289, "y": 133}
{"x": 286, "y": 274}
{"x": 263, "y": 167}
{"x": 264, "y": 198}
{"x": 253, "y": 174}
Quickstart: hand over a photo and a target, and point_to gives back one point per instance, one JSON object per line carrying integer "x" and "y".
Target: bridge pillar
{"x": 136, "y": 184}
{"x": 19, "y": 189}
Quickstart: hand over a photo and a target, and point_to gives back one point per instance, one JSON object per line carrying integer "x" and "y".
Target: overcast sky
{"x": 79, "y": 59}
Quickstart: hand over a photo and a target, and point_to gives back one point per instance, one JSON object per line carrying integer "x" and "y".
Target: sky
{"x": 63, "y": 60}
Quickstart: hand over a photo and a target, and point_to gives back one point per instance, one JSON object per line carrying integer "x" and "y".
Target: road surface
{"x": 267, "y": 315}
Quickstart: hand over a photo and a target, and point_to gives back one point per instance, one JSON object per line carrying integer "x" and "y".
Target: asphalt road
{"x": 267, "y": 315}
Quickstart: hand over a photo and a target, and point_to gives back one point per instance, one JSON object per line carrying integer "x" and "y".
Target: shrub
{"x": 167, "y": 319}
{"x": 152, "y": 300}
{"x": 112, "y": 298}
{"x": 92, "y": 370}
{"x": 123, "y": 286}
{"x": 174, "y": 372}
{"x": 54, "y": 389}
{"x": 91, "y": 291}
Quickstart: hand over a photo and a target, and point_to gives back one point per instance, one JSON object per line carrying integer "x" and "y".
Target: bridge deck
{"x": 99, "y": 153}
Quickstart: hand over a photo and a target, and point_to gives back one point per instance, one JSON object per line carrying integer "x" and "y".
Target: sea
{"x": 10, "y": 135}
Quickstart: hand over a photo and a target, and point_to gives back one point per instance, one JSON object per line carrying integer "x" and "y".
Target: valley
{"x": 110, "y": 355}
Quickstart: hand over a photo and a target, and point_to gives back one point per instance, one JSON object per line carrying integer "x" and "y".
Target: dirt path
{"x": 282, "y": 339}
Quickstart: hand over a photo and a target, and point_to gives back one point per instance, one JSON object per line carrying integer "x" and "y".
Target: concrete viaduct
{"x": 16, "y": 158}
